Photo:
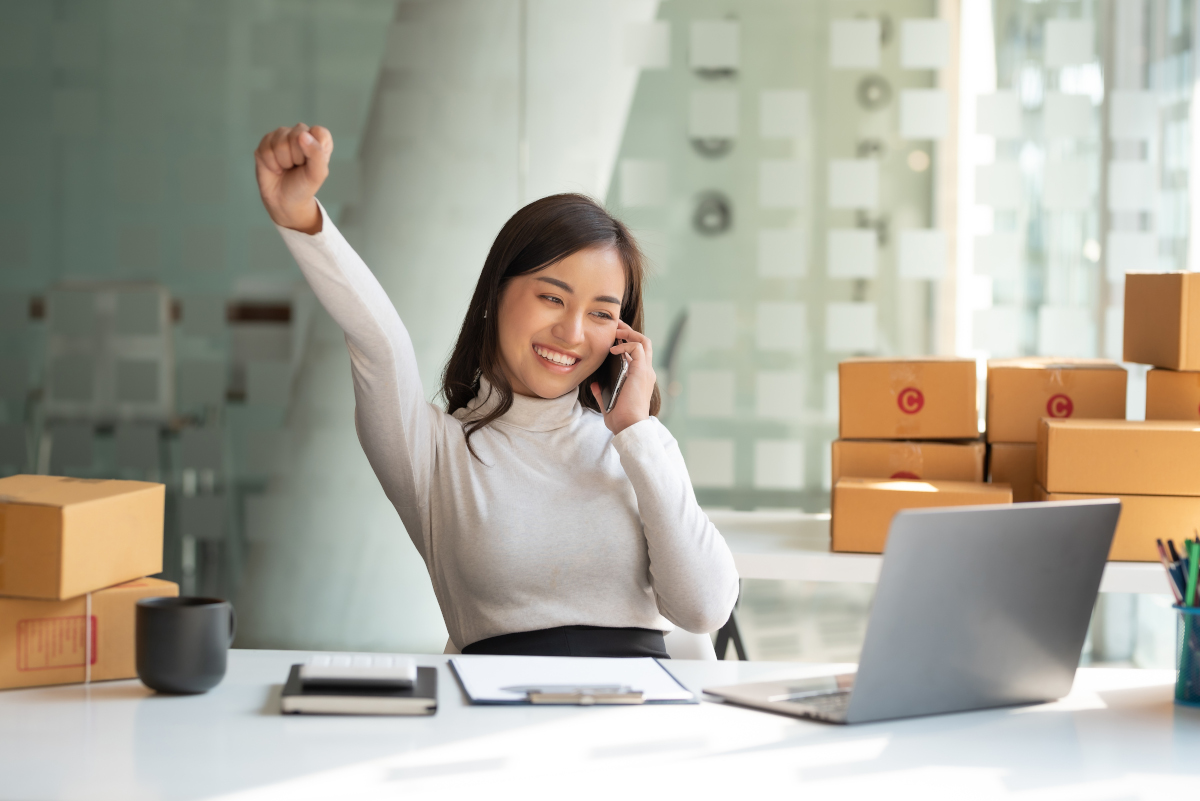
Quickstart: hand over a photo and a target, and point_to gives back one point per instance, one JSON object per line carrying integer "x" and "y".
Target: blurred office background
{"x": 812, "y": 179}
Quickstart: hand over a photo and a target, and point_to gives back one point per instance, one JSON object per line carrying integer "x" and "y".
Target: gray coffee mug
{"x": 182, "y": 643}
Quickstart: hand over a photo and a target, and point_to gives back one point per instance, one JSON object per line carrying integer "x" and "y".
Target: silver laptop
{"x": 976, "y": 607}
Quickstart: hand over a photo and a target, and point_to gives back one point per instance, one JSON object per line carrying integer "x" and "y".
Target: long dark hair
{"x": 542, "y": 233}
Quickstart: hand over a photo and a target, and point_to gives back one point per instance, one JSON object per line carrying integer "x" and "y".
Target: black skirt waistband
{"x": 575, "y": 641}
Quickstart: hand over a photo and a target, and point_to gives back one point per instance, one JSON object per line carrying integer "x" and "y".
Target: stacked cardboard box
{"x": 1152, "y": 466}
{"x": 1020, "y": 392}
{"x": 908, "y": 438}
{"x": 74, "y": 554}
{"x": 1162, "y": 328}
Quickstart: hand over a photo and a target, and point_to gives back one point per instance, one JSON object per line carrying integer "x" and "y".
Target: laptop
{"x": 976, "y": 607}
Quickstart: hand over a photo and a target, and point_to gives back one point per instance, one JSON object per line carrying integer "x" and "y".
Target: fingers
{"x": 265, "y": 154}
{"x": 323, "y": 137}
{"x": 624, "y": 331}
{"x": 282, "y": 149}
{"x": 293, "y": 139}
{"x": 635, "y": 350}
{"x": 595, "y": 388}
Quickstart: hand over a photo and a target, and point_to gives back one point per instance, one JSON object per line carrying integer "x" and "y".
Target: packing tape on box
{"x": 903, "y": 377}
{"x": 906, "y": 461}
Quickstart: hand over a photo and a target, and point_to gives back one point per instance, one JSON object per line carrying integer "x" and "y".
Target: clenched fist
{"x": 291, "y": 164}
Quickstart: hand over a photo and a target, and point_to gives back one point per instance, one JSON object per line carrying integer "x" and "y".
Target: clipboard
{"x": 568, "y": 680}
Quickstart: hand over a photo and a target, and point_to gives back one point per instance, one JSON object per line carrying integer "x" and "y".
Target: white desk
{"x": 794, "y": 545}
{"x": 1116, "y": 736}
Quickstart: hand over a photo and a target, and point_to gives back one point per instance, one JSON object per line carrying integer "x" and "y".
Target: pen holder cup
{"x": 1187, "y": 652}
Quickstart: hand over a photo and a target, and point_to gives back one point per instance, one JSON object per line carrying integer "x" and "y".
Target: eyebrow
{"x": 565, "y": 287}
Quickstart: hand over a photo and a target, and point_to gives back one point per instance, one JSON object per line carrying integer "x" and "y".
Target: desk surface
{"x": 1116, "y": 736}
{"x": 792, "y": 545}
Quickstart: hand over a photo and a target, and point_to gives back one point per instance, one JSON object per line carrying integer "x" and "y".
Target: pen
{"x": 1194, "y": 568}
{"x": 1174, "y": 553}
{"x": 1162, "y": 556}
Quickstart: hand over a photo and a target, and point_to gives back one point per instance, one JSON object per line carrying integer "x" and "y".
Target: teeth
{"x": 557, "y": 358}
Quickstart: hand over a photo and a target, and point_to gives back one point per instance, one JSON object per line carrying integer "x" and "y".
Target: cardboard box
{"x": 1022, "y": 391}
{"x": 1172, "y": 395}
{"x": 926, "y": 398}
{"x": 884, "y": 458}
{"x": 1144, "y": 518}
{"x": 62, "y": 537}
{"x": 1119, "y": 457}
{"x": 1014, "y": 464}
{"x": 1162, "y": 319}
{"x": 45, "y": 642}
{"x": 863, "y": 507}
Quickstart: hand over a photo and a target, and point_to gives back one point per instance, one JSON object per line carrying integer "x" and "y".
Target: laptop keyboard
{"x": 827, "y": 706}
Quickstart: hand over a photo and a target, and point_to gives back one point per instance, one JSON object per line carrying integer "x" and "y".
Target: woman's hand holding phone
{"x": 633, "y": 403}
{"x": 291, "y": 164}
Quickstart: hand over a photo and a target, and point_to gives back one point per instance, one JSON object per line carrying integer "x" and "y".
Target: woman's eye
{"x": 552, "y": 299}
{"x": 603, "y": 315}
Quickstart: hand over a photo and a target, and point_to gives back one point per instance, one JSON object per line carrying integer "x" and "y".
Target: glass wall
{"x": 811, "y": 181}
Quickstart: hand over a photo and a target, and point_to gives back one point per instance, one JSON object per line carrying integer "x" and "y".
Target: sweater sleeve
{"x": 691, "y": 567}
{"x": 396, "y": 426}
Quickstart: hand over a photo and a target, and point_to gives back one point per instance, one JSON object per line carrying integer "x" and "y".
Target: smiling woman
{"x": 562, "y": 282}
{"x": 547, "y": 527}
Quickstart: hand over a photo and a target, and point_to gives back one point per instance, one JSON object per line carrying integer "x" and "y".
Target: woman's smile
{"x": 556, "y": 360}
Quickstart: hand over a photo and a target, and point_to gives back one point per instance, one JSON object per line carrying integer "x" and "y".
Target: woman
{"x": 547, "y": 527}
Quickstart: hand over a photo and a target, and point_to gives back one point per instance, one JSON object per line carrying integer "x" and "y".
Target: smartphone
{"x": 618, "y": 368}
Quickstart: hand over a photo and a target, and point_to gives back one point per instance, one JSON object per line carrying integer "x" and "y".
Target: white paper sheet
{"x": 1066, "y": 116}
{"x": 713, "y": 113}
{"x": 1130, "y": 252}
{"x": 1069, "y": 42}
{"x": 647, "y": 45}
{"x": 1132, "y": 115}
{"x": 997, "y": 331}
{"x": 854, "y": 44}
{"x": 924, "y": 44}
{"x": 779, "y": 394}
{"x": 1067, "y": 185}
{"x": 711, "y": 393}
{"x": 781, "y": 326}
{"x": 998, "y": 254}
{"x": 853, "y": 184}
{"x": 783, "y": 113}
{"x": 710, "y": 326}
{"x": 998, "y": 185}
{"x": 998, "y": 115}
{"x": 923, "y": 114}
{"x": 1131, "y": 186}
{"x": 921, "y": 254}
{"x": 781, "y": 184}
{"x": 1066, "y": 331}
{"x": 714, "y": 44}
{"x": 710, "y": 462}
{"x": 782, "y": 253}
{"x": 779, "y": 464}
{"x": 485, "y": 677}
{"x": 643, "y": 183}
{"x": 852, "y": 253}
{"x": 851, "y": 327}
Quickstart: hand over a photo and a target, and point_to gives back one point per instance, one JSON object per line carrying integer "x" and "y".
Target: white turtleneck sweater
{"x": 557, "y": 523}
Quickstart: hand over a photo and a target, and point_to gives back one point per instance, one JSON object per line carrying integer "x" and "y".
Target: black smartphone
{"x": 618, "y": 368}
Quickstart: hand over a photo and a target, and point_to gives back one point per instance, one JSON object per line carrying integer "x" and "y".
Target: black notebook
{"x": 421, "y": 699}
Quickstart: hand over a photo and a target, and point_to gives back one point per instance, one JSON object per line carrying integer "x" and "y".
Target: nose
{"x": 569, "y": 328}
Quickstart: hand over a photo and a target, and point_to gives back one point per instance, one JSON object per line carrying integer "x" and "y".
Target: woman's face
{"x": 557, "y": 325}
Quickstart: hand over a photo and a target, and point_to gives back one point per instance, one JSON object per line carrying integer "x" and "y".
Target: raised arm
{"x": 396, "y": 425}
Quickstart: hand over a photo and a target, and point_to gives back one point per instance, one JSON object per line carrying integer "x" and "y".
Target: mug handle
{"x": 232, "y": 625}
